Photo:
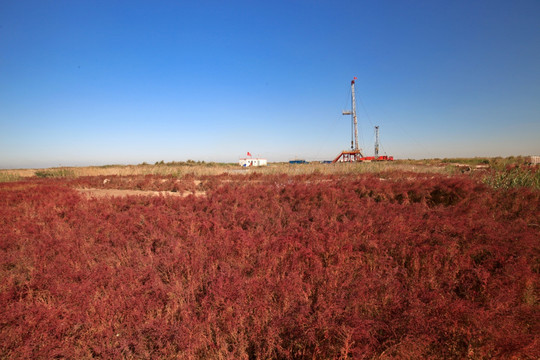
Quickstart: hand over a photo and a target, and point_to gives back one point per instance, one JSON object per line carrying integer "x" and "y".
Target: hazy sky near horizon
{"x": 126, "y": 82}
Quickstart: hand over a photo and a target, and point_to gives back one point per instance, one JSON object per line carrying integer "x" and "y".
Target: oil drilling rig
{"x": 355, "y": 154}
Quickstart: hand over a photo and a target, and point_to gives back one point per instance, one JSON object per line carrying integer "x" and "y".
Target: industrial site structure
{"x": 355, "y": 154}
{"x": 247, "y": 162}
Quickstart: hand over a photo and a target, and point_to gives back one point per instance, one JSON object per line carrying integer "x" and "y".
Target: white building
{"x": 246, "y": 162}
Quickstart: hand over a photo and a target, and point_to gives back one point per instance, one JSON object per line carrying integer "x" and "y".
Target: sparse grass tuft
{"x": 202, "y": 168}
{"x": 514, "y": 177}
{"x": 7, "y": 177}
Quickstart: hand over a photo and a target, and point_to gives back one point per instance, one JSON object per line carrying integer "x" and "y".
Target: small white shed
{"x": 246, "y": 162}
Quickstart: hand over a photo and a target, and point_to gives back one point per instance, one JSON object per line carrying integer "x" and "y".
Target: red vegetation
{"x": 270, "y": 267}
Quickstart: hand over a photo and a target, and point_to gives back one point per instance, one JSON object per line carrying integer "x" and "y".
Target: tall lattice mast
{"x": 376, "y": 142}
{"x": 355, "y": 154}
{"x": 353, "y": 113}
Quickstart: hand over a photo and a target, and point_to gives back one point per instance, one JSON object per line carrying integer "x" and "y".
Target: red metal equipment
{"x": 349, "y": 156}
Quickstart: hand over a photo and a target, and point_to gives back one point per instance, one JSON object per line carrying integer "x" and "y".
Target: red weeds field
{"x": 281, "y": 267}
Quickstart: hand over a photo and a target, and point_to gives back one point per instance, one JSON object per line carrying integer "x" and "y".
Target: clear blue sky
{"x": 125, "y": 82}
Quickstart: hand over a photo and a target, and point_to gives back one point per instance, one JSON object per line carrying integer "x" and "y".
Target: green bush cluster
{"x": 468, "y": 161}
{"x": 55, "y": 173}
{"x": 500, "y": 163}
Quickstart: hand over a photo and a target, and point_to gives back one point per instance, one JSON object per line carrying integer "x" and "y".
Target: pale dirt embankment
{"x": 100, "y": 193}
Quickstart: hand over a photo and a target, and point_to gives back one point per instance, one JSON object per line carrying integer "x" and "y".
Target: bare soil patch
{"x": 98, "y": 193}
